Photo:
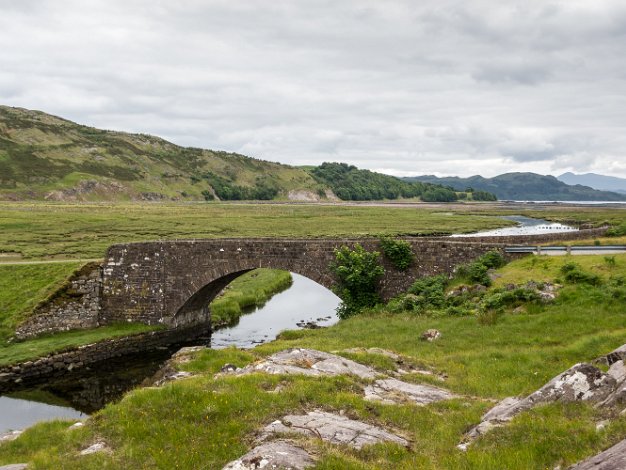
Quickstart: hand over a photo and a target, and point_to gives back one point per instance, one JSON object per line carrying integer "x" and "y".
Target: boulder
{"x": 277, "y": 454}
{"x": 431, "y": 335}
{"x": 582, "y": 382}
{"x": 611, "y": 459}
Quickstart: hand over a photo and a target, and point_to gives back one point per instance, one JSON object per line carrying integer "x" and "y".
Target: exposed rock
{"x": 228, "y": 368}
{"x": 277, "y": 454}
{"x": 169, "y": 371}
{"x": 380, "y": 351}
{"x": 78, "y": 424}
{"x": 94, "y": 448}
{"x": 185, "y": 355}
{"x": 618, "y": 371}
{"x": 611, "y": 459}
{"x": 332, "y": 428}
{"x": 582, "y": 382}
{"x": 303, "y": 195}
{"x": 394, "y": 391}
{"x": 618, "y": 354}
{"x": 10, "y": 436}
{"x": 14, "y": 466}
{"x": 308, "y": 362}
{"x": 431, "y": 335}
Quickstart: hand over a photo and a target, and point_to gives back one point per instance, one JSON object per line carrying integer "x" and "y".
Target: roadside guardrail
{"x": 578, "y": 249}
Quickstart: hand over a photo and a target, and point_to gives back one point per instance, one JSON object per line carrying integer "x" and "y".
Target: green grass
{"x": 204, "y": 422}
{"x": 43, "y": 345}
{"x": 38, "y": 230}
{"x": 22, "y": 287}
{"x": 42, "y": 230}
{"x": 252, "y": 289}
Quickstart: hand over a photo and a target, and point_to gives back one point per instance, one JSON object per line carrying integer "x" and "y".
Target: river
{"x": 89, "y": 389}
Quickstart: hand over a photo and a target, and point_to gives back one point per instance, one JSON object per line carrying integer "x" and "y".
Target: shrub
{"x": 429, "y": 291}
{"x": 398, "y": 252}
{"x": 572, "y": 272}
{"x": 358, "y": 272}
{"x": 477, "y": 271}
{"x": 617, "y": 230}
{"x": 492, "y": 259}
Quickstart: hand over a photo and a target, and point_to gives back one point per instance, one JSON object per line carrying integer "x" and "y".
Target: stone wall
{"x": 169, "y": 282}
{"x": 27, "y": 373}
{"x": 76, "y": 305}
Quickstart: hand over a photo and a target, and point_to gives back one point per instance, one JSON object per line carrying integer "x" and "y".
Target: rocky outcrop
{"x": 582, "y": 382}
{"x": 277, "y": 454}
{"x": 332, "y": 428}
{"x": 309, "y": 362}
{"x": 393, "y": 391}
{"x": 611, "y": 459}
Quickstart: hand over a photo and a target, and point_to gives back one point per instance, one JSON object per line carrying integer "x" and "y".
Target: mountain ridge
{"x": 595, "y": 181}
{"x": 524, "y": 186}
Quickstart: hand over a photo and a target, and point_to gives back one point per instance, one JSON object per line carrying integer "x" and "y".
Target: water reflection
{"x": 89, "y": 389}
{"x": 304, "y": 301}
{"x": 16, "y": 413}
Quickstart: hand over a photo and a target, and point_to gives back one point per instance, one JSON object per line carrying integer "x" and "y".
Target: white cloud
{"x": 444, "y": 87}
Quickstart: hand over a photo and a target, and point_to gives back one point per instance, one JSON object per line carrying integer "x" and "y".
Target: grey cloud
{"x": 434, "y": 86}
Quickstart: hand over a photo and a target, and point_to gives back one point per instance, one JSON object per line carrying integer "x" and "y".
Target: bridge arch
{"x": 171, "y": 282}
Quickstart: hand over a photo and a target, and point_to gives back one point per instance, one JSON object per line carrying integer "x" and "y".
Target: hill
{"x": 595, "y": 181}
{"x": 524, "y": 187}
{"x": 350, "y": 183}
{"x": 48, "y": 157}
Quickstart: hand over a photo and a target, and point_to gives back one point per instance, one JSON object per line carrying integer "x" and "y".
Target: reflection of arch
{"x": 196, "y": 308}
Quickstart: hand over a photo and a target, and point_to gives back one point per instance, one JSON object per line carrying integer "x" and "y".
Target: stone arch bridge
{"x": 172, "y": 282}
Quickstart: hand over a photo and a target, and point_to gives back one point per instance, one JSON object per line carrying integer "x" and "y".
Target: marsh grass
{"x": 206, "y": 421}
{"x": 39, "y": 230}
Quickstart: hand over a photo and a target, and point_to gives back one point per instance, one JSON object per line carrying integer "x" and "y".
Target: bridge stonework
{"x": 172, "y": 282}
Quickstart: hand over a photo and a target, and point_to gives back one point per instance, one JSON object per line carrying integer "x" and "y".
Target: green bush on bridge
{"x": 358, "y": 272}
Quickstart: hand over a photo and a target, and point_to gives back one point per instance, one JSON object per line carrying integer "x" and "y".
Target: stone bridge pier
{"x": 172, "y": 282}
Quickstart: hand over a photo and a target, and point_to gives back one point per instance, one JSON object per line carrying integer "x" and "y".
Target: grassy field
{"x": 215, "y": 419}
{"x": 86, "y": 231}
{"x": 41, "y": 230}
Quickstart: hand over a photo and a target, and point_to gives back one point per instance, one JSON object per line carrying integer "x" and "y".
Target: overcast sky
{"x": 405, "y": 87}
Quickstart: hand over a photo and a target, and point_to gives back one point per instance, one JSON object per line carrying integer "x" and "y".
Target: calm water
{"x": 89, "y": 389}
{"x": 525, "y": 226}
{"x": 304, "y": 301}
{"x": 16, "y": 413}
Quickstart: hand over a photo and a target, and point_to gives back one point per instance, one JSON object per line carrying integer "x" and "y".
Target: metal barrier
{"x": 566, "y": 249}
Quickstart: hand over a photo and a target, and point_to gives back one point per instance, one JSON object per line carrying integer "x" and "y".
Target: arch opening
{"x": 196, "y": 308}
{"x": 306, "y": 303}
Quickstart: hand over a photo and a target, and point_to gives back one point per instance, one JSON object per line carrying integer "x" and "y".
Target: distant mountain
{"x": 524, "y": 187}
{"x": 595, "y": 181}
{"x": 47, "y": 157}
